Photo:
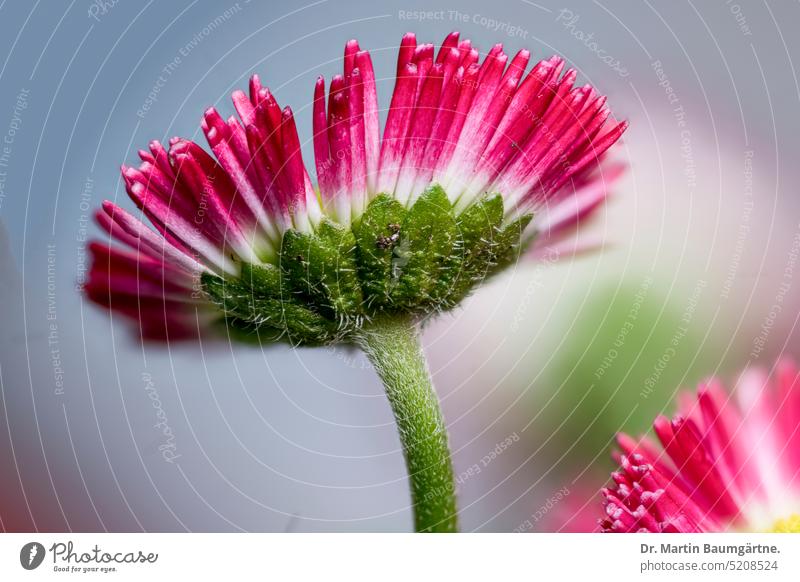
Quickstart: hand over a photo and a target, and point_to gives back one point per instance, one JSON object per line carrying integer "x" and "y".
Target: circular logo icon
{"x": 31, "y": 555}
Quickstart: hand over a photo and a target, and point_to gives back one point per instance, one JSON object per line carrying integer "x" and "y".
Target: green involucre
{"x": 393, "y": 261}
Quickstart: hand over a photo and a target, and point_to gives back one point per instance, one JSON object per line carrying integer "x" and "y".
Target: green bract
{"x": 394, "y": 260}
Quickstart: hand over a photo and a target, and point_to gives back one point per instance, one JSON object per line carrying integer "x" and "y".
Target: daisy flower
{"x": 481, "y": 144}
{"x": 479, "y": 160}
{"x": 725, "y": 462}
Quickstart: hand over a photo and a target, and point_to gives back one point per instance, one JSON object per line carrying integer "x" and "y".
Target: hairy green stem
{"x": 393, "y": 347}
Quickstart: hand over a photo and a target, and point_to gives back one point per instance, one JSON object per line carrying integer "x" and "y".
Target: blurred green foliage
{"x": 630, "y": 349}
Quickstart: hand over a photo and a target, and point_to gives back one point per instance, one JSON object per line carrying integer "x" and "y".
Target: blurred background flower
{"x": 725, "y": 462}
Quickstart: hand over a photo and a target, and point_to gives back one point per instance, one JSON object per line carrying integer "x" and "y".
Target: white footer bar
{"x": 407, "y": 557}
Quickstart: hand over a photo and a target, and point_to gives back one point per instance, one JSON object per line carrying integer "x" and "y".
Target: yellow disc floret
{"x": 789, "y": 524}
